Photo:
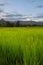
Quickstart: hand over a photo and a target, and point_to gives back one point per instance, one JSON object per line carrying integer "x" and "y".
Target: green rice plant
{"x": 21, "y": 46}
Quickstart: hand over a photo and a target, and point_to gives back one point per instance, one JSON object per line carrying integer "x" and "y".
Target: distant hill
{"x": 20, "y": 23}
{"x": 31, "y": 23}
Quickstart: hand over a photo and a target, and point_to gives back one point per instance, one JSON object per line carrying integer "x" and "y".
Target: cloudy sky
{"x": 21, "y": 10}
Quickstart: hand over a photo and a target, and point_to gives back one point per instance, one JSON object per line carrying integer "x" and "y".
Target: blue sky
{"x": 21, "y": 10}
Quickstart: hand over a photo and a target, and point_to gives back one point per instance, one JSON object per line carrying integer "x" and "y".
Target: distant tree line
{"x": 4, "y": 23}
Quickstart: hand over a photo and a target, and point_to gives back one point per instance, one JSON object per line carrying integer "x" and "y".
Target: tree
{"x": 9, "y": 24}
{"x": 18, "y": 23}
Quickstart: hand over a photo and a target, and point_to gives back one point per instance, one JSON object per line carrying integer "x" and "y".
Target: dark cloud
{"x": 11, "y": 19}
{"x": 1, "y": 7}
{"x": 9, "y": 15}
{"x": 13, "y": 15}
{"x": 40, "y": 6}
{"x": 39, "y": 16}
{"x": 2, "y": 4}
{"x": 14, "y": 19}
{"x": 1, "y": 11}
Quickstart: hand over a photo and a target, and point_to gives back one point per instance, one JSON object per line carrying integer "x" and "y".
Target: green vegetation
{"x": 21, "y": 46}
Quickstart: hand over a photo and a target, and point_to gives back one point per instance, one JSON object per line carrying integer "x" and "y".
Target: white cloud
{"x": 37, "y": 19}
{"x": 28, "y": 19}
